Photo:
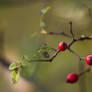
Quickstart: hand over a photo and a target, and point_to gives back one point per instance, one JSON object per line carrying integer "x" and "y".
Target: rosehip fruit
{"x": 62, "y": 46}
{"x": 72, "y": 78}
{"x": 89, "y": 60}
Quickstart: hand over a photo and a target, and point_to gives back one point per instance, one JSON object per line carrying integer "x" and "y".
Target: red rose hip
{"x": 89, "y": 60}
{"x": 72, "y": 78}
{"x": 62, "y": 46}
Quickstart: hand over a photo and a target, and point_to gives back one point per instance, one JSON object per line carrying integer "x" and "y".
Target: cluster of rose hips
{"x": 72, "y": 77}
{"x": 62, "y": 46}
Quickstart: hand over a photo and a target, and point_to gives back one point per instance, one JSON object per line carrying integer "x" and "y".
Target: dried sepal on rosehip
{"x": 72, "y": 78}
{"x": 62, "y": 46}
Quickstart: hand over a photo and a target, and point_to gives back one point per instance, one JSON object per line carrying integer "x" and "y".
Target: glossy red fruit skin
{"x": 72, "y": 78}
{"x": 89, "y": 60}
{"x": 62, "y": 46}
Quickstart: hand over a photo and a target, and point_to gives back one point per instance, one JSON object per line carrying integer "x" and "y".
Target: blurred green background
{"x": 20, "y": 21}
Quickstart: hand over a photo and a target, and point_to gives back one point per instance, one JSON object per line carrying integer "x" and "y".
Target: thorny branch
{"x": 74, "y": 39}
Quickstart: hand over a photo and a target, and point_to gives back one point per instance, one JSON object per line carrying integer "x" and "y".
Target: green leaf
{"x": 26, "y": 71}
{"x": 12, "y": 66}
{"x": 15, "y": 76}
{"x": 46, "y": 47}
{"x": 45, "y": 10}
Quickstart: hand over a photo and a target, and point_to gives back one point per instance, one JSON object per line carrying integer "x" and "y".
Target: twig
{"x": 71, "y": 29}
{"x": 74, "y": 39}
{"x": 49, "y": 59}
{"x": 87, "y": 70}
{"x": 59, "y": 33}
{"x": 81, "y": 38}
{"x": 80, "y": 58}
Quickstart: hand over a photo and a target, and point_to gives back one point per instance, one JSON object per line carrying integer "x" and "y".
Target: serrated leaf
{"x": 45, "y": 10}
{"x": 15, "y": 76}
{"x": 12, "y": 66}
